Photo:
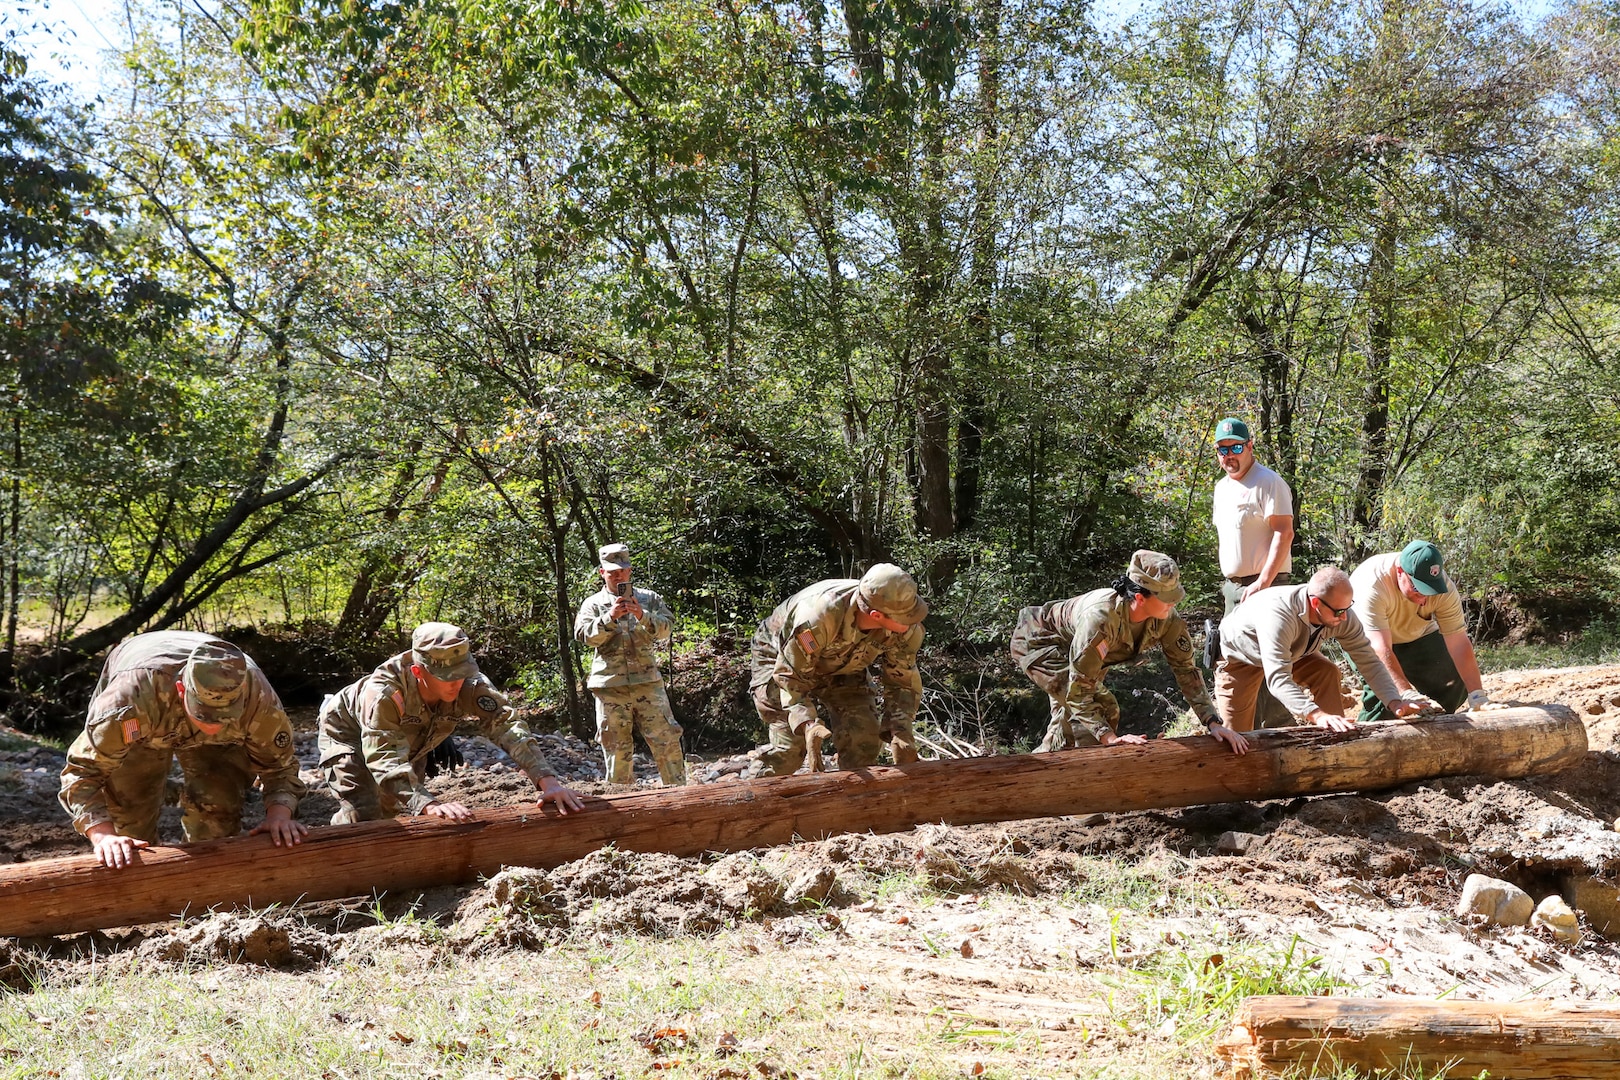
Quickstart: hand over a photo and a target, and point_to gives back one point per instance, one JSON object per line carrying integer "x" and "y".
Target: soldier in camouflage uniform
{"x": 376, "y": 733}
{"x": 1067, "y": 646}
{"x": 817, "y": 646}
{"x": 624, "y": 624}
{"x": 177, "y": 693}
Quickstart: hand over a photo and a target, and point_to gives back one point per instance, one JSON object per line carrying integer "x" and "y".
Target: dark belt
{"x": 1250, "y": 579}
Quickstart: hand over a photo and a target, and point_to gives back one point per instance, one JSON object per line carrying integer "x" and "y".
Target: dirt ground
{"x": 1367, "y": 882}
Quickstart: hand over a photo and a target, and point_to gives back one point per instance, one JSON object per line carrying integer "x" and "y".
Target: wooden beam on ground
{"x": 58, "y": 896}
{"x": 1512, "y": 1041}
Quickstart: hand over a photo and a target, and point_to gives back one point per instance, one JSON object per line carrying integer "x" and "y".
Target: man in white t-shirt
{"x": 1414, "y": 621}
{"x": 1254, "y": 517}
{"x": 1254, "y": 524}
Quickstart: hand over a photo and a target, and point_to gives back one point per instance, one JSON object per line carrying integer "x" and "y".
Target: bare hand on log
{"x": 564, "y": 799}
{"x": 279, "y": 824}
{"x": 450, "y": 811}
{"x": 1334, "y": 722}
{"x": 114, "y": 851}
{"x": 1110, "y": 739}
{"x": 1234, "y": 739}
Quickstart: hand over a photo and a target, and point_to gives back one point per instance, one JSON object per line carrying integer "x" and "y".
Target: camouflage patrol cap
{"x": 891, "y": 590}
{"x": 1158, "y": 574}
{"x": 614, "y": 556}
{"x": 215, "y": 678}
{"x": 444, "y": 651}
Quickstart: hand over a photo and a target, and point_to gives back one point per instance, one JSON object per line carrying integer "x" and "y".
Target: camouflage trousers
{"x": 1044, "y": 657}
{"x": 211, "y": 796}
{"x": 621, "y": 712}
{"x": 344, "y": 763}
{"x": 850, "y": 713}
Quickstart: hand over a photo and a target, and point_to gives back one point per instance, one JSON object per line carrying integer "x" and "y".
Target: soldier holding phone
{"x": 624, "y": 624}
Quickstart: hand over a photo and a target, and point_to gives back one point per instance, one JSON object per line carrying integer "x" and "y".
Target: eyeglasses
{"x": 1228, "y": 451}
{"x": 1337, "y": 611}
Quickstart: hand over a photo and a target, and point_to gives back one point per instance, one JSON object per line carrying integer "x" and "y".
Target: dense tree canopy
{"x": 368, "y": 311}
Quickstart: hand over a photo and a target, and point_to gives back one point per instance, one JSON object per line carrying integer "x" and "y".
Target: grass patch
{"x": 1192, "y": 992}
{"x": 679, "y": 1007}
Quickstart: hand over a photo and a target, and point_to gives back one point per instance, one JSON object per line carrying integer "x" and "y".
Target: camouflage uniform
{"x": 628, "y": 688}
{"x": 1067, "y": 646}
{"x": 118, "y": 767}
{"x": 810, "y": 648}
{"x": 377, "y": 732}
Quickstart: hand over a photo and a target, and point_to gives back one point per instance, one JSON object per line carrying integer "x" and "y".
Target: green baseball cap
{"x": 215, "y": 678}
{"x": 1422, "y": 562}
{"x": 1232, "y": 428}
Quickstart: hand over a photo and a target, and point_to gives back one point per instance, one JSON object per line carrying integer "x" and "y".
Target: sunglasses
{"x": 1228, "y": 451}
{"x": 1337, "y": 611}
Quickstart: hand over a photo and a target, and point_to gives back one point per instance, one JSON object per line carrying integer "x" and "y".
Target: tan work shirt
{"x": 383, "y": 718}
{"x": 1098, "y": 630}
{"x": 135, "y": 703}
{"x": 1270, "y": 630}
{"x": 626, "y": 653}
{"x": 811, "y": 639}
{"x": 1381, "y": 605}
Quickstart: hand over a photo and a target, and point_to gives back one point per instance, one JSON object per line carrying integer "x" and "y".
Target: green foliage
{"x": 774, "y": 293}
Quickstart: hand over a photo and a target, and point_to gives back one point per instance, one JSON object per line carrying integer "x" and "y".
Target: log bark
{"x": 1512, "y": 1041}
{"x": 56, "y": 896}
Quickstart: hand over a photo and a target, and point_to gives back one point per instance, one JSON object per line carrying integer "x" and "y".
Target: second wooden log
{"x": 57, "y": 896}
{"x": 1538, "y": 1040}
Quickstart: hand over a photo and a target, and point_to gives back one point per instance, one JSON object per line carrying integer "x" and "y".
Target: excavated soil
{"x": 1376, "y": 871}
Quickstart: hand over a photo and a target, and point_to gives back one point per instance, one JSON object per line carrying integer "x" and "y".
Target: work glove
{"x": 1478, "y": 699}
{"x": 1427, "y": 706}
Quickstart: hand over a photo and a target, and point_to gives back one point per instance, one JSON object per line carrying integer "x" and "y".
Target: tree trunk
{"x": 1373, "y": 471}
{"x": 551, "y": 480}
{"x": 59, "y": 896}
{"x": 14, "y": 585}
{"x": 1533, "y": 1040}
{"x": 975, "y": 416}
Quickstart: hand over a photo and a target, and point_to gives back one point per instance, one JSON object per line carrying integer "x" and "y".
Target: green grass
{"x": 1196, "y": 988}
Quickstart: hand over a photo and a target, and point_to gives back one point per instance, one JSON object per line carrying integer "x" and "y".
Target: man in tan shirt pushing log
{"x": 177, "y": 693}
{"x": 1275, "y": 637}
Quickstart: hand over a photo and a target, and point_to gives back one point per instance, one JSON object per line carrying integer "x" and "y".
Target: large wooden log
{"x": 55, "y": 896}
{"x": 1535, "y": 1040}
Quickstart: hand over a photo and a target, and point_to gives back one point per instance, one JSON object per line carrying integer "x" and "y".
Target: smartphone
{"x": 622, "y": 589}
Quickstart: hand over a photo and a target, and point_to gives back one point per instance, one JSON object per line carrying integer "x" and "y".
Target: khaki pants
{"x": 1268, "y": 711}
{"x": 1238, "y": 686}
{"x": 848, "y": 709}
{"x": 216, "y": 780}
{"x": 621, "y": 711}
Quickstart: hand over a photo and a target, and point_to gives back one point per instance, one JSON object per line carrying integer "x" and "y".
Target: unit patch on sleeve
{"x": 488, "y": 703}
{"x": 283, "y": 738}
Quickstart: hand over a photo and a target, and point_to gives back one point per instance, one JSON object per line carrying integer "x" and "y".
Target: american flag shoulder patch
{"x": 132, "y": 729}
{"x": 807, "y": 641}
